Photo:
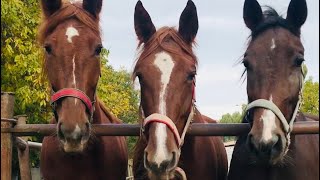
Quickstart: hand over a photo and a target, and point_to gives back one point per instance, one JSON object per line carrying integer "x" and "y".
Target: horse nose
{"x": 166, "y": 165}
{"x": 263, "y": 147}
{"x": 72, "y": 133}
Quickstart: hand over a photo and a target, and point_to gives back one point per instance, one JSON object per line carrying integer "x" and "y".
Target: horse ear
{"x": 252, "y": 14}
{"x": 142, "y": 23}
{"x": 92, "y": 6}
{"x": 50, "y": 6}
{"x": 297, "y": 13}
{"x": 188, "y": 23}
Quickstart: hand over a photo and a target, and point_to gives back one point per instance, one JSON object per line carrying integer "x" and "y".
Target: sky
{"x": 221, "y": 40}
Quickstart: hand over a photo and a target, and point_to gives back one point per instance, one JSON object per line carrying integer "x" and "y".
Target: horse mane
{"x": 272, "y": 19}
{"x": 159, "y": 40}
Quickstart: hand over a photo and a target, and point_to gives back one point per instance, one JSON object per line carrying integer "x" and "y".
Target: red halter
{"x": 76, "y": 93}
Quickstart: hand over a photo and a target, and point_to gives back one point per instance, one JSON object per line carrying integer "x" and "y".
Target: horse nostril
{"x": 172, "y": 164}
{"x": 146, "y": 162}
{"x": 250, "y": 143}
{"x": 60, "y": 131}
{"x": 277, "y": 144}
{"x": 87, "y": 125}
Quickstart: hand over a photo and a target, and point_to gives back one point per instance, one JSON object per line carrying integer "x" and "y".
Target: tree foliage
{"x": 21, "y": 70}
{"x": 310, "y": 103}
{"x": 235, "y": 117}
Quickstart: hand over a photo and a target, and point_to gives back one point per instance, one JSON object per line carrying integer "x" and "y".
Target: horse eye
{"x": 298, "y": 61}
{"x": 98, "y": 50}
{"x": 246, "y": 64}
{"x": 191, "y": 76}
{"x": 48, "y": 48}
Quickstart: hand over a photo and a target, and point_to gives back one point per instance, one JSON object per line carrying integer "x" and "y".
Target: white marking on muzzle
{"x": 165, "y": 64}
{"x": 71, "y": 31}
{"x": 76, "y": 132}
{"x": 269, "y": 124}
{"x": 273, "y": 44}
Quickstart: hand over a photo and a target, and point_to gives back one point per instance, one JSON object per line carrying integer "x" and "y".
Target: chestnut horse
{"x": 166, "y": 70}
{"x": 273, "y": 62}
{"x": 70, "y": 35}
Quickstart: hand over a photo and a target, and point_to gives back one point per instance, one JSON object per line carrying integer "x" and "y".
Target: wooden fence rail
{"x": 196, "y": 129}
{"x": 12, "y": 129}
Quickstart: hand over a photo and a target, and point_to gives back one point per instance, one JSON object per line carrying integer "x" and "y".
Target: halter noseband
{"x": 160, "y": 118}
{"x": 75, "y": 93}
{"x": 263, "y": 103}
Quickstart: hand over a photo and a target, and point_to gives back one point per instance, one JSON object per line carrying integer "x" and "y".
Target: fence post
{"x": 7, "y": 104}
{"x": 23, "y": 154}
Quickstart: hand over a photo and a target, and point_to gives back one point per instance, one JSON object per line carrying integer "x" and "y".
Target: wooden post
{"x": 7, "y": 104}
{"x": 23, "y": 153}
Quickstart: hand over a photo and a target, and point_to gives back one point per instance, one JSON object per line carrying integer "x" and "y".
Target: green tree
{"x": 310, "y": 94}
{"x": 235, "y": 117}
{"x": 115, "y": 89}
{"x": 21, "y": 71}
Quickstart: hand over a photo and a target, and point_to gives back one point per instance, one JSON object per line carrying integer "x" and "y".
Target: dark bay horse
{"x": 273, "y": 62}
{"x": 166, "y": 70}
{"x": 70, "y": 35}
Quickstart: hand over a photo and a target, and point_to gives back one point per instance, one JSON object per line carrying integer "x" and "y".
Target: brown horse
{"x": 166, "y": 70}
{"x": 273, "y": 62}
{"x": 70, "y": 35}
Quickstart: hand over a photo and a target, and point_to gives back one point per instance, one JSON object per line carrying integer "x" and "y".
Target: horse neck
{"x": 198, "y": 118}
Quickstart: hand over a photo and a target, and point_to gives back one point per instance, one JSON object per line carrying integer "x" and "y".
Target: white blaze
{"x": 74, "y": 76}
{"x": 71, "y": 31}
{"x": 165, "y": 65}
{"x": 269, "y": 124}
{"x": 75, "y": 1}
{"x": 273, "y": 44}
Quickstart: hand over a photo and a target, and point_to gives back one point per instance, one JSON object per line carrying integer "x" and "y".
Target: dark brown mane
{"x": 158, "y": 39}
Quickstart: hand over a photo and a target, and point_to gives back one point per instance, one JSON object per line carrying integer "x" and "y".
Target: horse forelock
{"x": 271, "y": 20}
{"x": 158, "y": 41}
{"x": 67, "y": 12}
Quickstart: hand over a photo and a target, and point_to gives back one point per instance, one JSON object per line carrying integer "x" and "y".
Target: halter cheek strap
{"x": 75, "y": 93}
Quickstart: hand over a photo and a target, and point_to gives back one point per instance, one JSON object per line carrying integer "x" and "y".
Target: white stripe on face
{"x": 71, "y": 31}
{"x": 165, "y": 64}
{"x": 273, "y": 44}
{"x": 269, "y": 124}
{"x": 74, "y": 76}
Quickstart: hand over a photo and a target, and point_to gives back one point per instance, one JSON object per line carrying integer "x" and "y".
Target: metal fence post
{"x": 7, "y": 104}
